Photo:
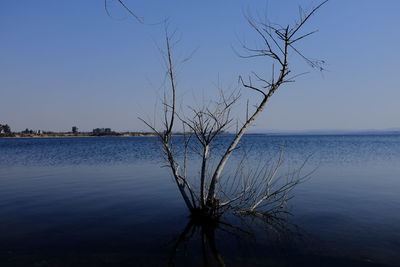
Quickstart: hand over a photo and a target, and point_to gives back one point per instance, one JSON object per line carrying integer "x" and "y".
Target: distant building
{"x": 97, "y": 131}
{"x": 27, "y": 131}
{"x": 102, "y": 131}
{"x": 74, "y": 129}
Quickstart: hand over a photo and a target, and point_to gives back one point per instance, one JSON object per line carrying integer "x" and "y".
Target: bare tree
{"x": 264, "y": 191}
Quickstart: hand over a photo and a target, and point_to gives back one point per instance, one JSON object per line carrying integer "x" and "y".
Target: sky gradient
{"x": 67, "y": 63}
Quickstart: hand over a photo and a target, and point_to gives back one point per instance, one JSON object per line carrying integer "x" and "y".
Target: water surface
{"x": 108, "y": 202}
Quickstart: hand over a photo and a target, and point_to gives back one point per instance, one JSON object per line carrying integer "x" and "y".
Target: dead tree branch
{"x": 277, "y": 45}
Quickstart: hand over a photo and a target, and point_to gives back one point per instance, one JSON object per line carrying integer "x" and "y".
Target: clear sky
{"x": 66, "y": 63}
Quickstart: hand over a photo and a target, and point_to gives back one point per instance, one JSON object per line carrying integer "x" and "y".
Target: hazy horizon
{"x": 251, "y": 131}
{"x": 69, "y": 64}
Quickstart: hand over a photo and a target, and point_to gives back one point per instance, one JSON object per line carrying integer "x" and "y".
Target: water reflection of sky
{"x": 334, "y": 149}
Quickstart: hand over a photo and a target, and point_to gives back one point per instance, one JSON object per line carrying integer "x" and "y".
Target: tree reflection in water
{"x": 197, "y": 244}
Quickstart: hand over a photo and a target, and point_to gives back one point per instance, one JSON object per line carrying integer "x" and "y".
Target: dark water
{"x": 107, "y": 202}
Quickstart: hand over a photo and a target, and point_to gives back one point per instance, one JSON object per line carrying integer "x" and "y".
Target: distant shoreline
{"x": 88, "y": 135}
{"x": 75, "y": 135}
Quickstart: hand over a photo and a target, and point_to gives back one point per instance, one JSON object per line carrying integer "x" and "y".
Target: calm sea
{"x": 109, "y": 202}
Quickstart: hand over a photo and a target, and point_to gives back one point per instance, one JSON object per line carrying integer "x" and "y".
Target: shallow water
{"x": 108, "y": 202}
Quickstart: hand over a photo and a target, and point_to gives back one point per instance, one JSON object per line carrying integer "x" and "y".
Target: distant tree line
{"x": 5, "y": 130}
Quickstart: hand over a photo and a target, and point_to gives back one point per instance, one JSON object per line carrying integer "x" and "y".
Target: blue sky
{"x": 65, "y": 63}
